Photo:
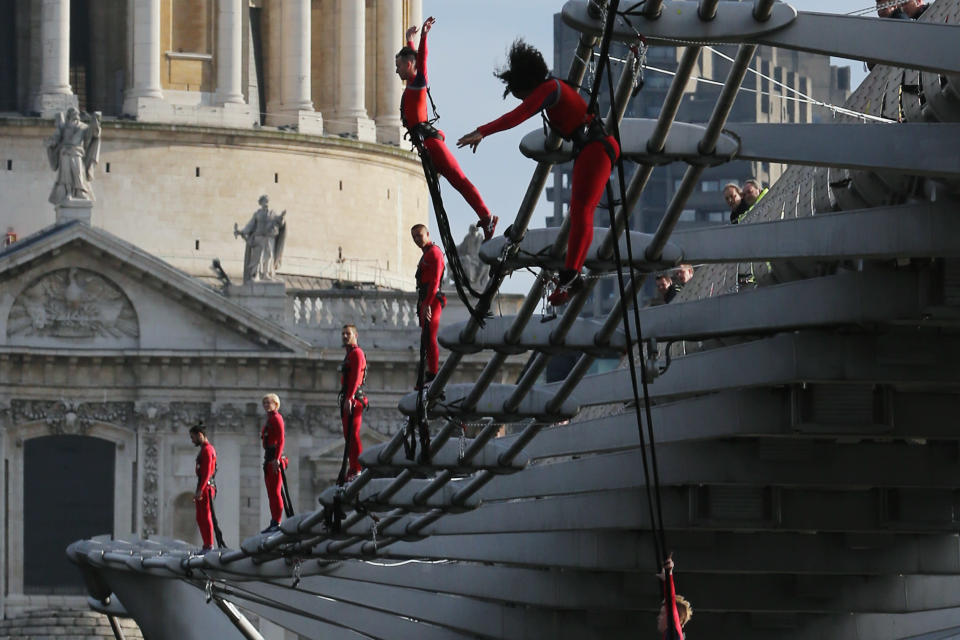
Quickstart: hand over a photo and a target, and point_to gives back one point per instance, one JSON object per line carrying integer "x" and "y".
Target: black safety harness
{"x": 591, "y": 130}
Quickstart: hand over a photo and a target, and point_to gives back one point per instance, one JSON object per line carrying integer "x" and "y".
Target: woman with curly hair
{"x": 527, "y": 78}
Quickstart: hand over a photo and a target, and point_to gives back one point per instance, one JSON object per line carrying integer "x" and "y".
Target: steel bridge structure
{"x": 809, "y": 465}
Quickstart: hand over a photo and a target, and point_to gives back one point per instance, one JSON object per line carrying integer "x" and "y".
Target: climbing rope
{"x": 460, "y": 279}
{"x": 650, "y": 467}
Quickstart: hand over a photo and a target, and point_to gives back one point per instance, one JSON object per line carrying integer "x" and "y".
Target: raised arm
{"x": 542, "y": 97}
{"x": 674, "y": 628}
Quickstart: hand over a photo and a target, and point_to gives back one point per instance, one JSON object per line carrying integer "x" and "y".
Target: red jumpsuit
{"x": 351, "y": 413}
{"x": 413, "y": 111}
{"x": 674, "y": 629}
{"x": 272, "y": 438}
{"x": 567, "y": 113}
{"x": 429, "y": 275}
{"x": 206, "y": 467}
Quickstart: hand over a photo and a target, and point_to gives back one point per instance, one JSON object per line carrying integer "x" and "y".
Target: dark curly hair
{"x": 525, "y": 68}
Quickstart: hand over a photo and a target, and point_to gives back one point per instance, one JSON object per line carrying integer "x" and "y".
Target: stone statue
{"x": 469, "y": 250}
{"x": 265, "y": 235}
{"x": 73, "y": 152}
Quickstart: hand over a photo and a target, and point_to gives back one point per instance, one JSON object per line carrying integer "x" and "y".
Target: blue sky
{"x": 468, "y": 41}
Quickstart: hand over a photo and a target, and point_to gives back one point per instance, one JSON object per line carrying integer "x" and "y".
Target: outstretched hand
{"x": 472, "y": 139}
{"x": 428, "y": 24}
{"x": 411, "y": 31}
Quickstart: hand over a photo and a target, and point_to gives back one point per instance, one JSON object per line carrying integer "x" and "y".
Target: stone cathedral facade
{"x": 116, "y": 336}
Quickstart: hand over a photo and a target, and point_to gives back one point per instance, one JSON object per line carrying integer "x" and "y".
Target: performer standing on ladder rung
{"x": 206, "y": 468}
{"x": 412, "y": 69}
{"x": 353, "y": 402}
{"x": 272, "y": 439}
{"x": 430, "y": 299}
{"x": 565, "y": 112}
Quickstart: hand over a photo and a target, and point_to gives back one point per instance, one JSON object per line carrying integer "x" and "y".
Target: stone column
{"x": 390, "y": 31}
{"x": 54, "y": 94}
{"x": 416, "y": 15}
{"x": 351, "y": 115}
{"x": 297, "y": 107}
{"x": 273, "y": 14}
{"x": 229, "y": 51}
{"x": 144, "y": 91}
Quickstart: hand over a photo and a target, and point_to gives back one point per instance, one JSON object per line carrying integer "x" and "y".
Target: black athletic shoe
{"x": 273, "y": 526}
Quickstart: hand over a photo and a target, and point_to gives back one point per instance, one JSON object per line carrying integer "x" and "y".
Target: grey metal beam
{"x": 750, "y": 552}
{"x": 373, "y": 498}
{"x": 368, "y": 619}
{"x": 920, "y": 45}
{"x": 844, "y": 299}
{"x": 920, "y": 148}
{"x": 909, "y": 357}
{"x": 536, "y": 336}
{"x": 708, "y": 144}
{"x": 750, "y": 412}
{"x": 916, "y": 148}
{"x": 489, "y": 617}
{"x": 919, "y": 229}
{"x": 535, "y": 586}
{"x": 745, "y": 463}
{"x": 680, "y": 20}
{"x": 535, "y": 251}
{"x": 812, "y": 593}
{"x": 447, "y": 458}
{"x": 710, "y": 507}
{"x": 681, "y": 144}
{"x": 491, "y": 405}
{"x": 744, "y": 413}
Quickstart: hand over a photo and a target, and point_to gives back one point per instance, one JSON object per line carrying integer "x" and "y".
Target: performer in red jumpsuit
{"x": 675, "y": 611}
{"x": 412, "y": 69}
{"x": 206, "y": 467}
{"x": 430, "y": 299}
{"x": 272, "y": 438}
{"x": 528, "y": 79}
{"x": 353, "y": 401}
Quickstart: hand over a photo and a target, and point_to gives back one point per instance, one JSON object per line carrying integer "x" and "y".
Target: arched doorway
{"x": 68, "y": 494}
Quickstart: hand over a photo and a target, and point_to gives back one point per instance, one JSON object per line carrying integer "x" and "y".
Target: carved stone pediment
{"x": 73, "y": 303}
{"x": 66, "y": 417}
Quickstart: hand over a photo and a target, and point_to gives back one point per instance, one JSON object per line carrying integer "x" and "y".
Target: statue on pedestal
{"x": 469, "y": 250}
{"x": 265, "y": 235}
{"x": 73, "y": 152}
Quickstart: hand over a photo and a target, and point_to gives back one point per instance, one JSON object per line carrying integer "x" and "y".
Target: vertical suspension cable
{"x": 653, "y": 493}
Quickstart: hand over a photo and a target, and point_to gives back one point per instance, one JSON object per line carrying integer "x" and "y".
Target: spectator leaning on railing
{"x": 734, "y": 199}
{"x": 909, "y": 10}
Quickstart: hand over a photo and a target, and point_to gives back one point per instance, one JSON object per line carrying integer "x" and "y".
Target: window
{"x": 688, "y": 215}
{"x": 717, "y": 216}
{"x": 710, "y": 185}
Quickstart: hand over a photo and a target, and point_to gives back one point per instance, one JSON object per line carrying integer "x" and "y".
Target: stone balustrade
{"x": 365, "y": 309}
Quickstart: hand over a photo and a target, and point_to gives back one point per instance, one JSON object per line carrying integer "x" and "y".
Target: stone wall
{"x": 177, "y": 191}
